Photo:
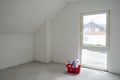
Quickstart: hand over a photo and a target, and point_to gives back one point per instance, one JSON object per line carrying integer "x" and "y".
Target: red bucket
{"x": 72, "y": 69}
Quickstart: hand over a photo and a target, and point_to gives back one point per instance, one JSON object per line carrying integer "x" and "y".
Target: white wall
{"x": 15, "y": 49}
{"x": 48, "y": 41}
{"x": 43, "y": 43}
{"x": 21, "y": 17}
{"x": 65, "y": 31}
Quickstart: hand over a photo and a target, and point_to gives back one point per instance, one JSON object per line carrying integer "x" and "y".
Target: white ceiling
{"x": 26, "y": 16}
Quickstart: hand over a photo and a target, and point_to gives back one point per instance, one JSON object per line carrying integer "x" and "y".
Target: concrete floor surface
{"x": 52, "y": 71}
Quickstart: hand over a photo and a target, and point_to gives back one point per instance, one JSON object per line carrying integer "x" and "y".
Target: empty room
{"x": 59, "y": 40}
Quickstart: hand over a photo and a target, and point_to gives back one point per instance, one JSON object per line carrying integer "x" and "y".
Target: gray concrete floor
{"x": 52, "y": 71}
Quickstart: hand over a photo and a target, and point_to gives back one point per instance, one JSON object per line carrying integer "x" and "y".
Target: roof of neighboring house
{"x": 93, "y": 25}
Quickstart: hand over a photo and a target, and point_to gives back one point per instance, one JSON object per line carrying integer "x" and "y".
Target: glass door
{"x": 94, "y": 40}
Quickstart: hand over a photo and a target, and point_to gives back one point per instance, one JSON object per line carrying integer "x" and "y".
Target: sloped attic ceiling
{"x": 26, "y": 16}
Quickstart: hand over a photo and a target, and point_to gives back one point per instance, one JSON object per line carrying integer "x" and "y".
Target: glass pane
{"x": 94, "y": 51}
{"x": 94, "y": 59}
{"x": 94, "y": 30}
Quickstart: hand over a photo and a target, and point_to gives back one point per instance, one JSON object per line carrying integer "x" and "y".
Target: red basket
{"x": 72, "y": 69}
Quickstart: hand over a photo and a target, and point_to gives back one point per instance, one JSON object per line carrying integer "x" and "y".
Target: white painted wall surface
{"x": 43, "y": 43}
{"x": 25, "y": 17}
{"x": 65, "y": 31}
{"x": 40, "y": 43}
{"x": 15, "y": 49}
{"x": 48, "y": 41}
